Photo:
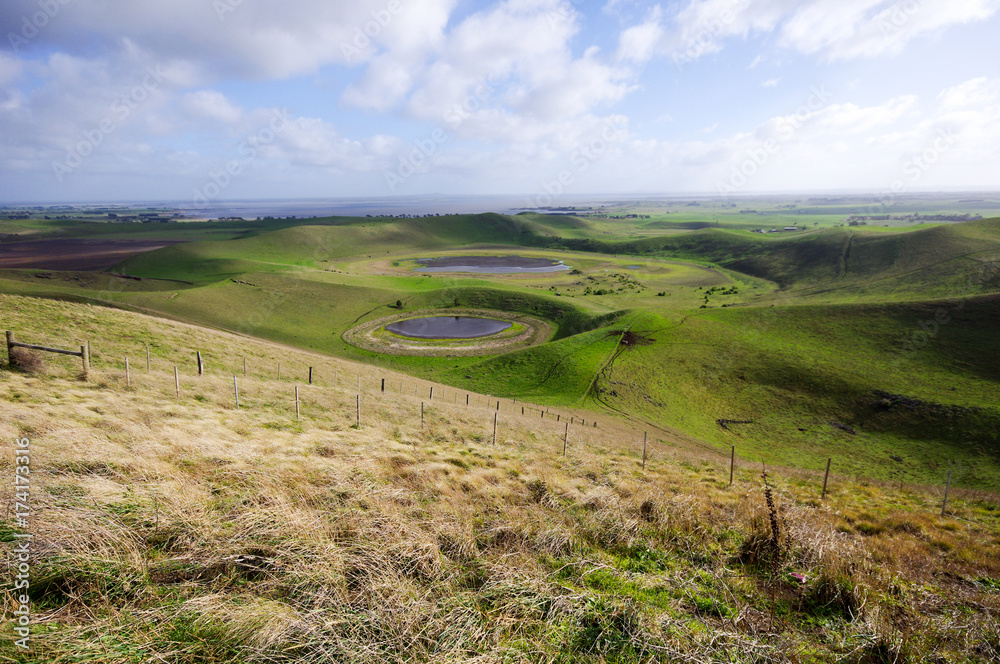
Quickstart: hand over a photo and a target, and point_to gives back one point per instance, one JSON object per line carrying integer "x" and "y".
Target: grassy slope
{"x": 182, "y": 530}
{"x": 785, "y": 366}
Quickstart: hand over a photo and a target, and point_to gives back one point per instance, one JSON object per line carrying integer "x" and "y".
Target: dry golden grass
{"x": 182, "y": 530}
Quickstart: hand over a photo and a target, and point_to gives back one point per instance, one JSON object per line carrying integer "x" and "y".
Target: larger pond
{"x": 490, "y": 264}
{"x": 448, "y": 327}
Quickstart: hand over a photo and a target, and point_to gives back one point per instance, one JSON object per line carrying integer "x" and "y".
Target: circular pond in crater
{"x": 491, "y": 264}
{"x": 448, "y": 327}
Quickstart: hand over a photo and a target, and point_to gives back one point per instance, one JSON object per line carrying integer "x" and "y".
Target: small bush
{"x": 26, "y": 360}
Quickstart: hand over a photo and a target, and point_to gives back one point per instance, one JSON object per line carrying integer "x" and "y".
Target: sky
{"x": 216, "y": 100}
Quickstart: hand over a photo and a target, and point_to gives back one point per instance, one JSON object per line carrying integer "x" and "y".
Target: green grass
{"x": 795, "y": 332}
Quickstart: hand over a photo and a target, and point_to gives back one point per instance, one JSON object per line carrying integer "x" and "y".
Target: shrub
{"x": 26, "y": 360}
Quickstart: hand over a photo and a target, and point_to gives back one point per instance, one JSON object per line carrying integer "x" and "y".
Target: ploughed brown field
{"x": 73, "y": 254}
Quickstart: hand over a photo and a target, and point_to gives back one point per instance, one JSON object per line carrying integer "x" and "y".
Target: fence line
{"x": 482, "y": 401}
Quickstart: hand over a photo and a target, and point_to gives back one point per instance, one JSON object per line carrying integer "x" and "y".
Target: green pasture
{"x": 866, "y": 344}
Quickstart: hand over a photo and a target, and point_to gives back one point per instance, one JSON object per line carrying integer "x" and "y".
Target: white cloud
{"x": 771, "y": 82}
{"x": 210, "y": 104}
{"x": 833, "y": 29}
{"x": 640, "y": 42}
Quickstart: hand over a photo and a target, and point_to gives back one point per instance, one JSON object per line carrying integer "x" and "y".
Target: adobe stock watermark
{"x": 706, "y": 34}
{"x": 424, "y": 149}
{"x": 758, "y": 156}
{"x": 914, "y": 169}
{"x": 893, "y": 19}
{"x": 224, "y": 7}
{"x": 22, "y": 547}
{"x": 121, "y": 109}
{"x": 928, "y": 329}
{"x": 582, "y": 158}
{"x": 561, "y": 13}
{"x": 248, "y": 149}
{"x": 363, "y": 36}
{"x": 32, "y": 25}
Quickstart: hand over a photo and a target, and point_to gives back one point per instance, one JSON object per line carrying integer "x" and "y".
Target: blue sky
{"x": 215, "y": 100}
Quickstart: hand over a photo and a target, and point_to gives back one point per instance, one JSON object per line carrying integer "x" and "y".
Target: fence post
{"x": 826, "y": 476}
{"x": 177, "y": 382}
{"x": 732, "y": 464}
{"x": 147, "y": 358}
{"x": 466, "y": 399}
{"x": 10, "y": 345}
{"x": 383, "y": 385}
{"x": 244, "y": 367}
{"x": 644, "y": 436}
{"x": 201, "y": 365}
{"x": 296, "y": 403}
{"x": 421, "y": 413}
{"x": 128, "y": 374}
{"x": 498, "y": 406}
{"x": 495, "y": 415}
{"x": 236, "y": 390}
{"x": 358, "y": 422}
{"x": 432, "y": 393}
{"x": 944, "y": 505}
{"x": 279, "y": 370}
{"x": 310, "y": 375}
{"x": 565, "y": 438}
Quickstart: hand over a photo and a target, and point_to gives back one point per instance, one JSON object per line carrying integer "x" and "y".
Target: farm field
{"x": 877, "y": 347}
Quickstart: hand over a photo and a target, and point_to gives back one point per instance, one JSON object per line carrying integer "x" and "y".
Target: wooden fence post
{"x": 85, "y": 354}
{"x": 495, "y": 416}
{"x": 10, "y": 346}
{"x": 826, "y": 476}
{"x": 128, "y": 374}
{"x": 498, "y": 405}
{"x": 201, "y": 365}
{"x": 244, "y": 367}
{"x": 644, "y": 436}
{"x": 177, "y": 382}
{"x": 944, "y": 504}
{"x": 565, "y": 438}
{"x": 421, "y": 413}
{"x": 236, "y": 390}
{"x": 732, "y": 464}
{"x": 296, "y": 403}
{"x": 466, "y": 399}
{"x": 279, "y": 370}
{"x": 358, "y": 422}
{"x": 432, "y": 393}
{"x": 147, "y": 358}
{"x": 310, "y": 375}
{"x": 383, "y": 385}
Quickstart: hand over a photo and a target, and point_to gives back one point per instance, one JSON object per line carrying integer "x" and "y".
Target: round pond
{"x": 490, "y": 264}
{"x": 448, "y": 327}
